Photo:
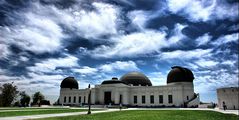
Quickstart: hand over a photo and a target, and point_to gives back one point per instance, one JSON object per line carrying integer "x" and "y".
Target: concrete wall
{"x": 230, "y": 96}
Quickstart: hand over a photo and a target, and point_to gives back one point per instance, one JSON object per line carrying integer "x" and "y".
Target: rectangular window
{"x": 170, "y": 99}
{"x": 160, "y": 99}
{"x": 143, "y": 99}
{"x": 69, "y": 99}
{"x": 120, "y": 98}
{"x": 79, "y": 99}
{"x": 84, "y": 99}
{"x": 151, "y": 99}
{"x": 74, "y": 99}
{"x": 135, "y": 99}
{"x": 187, "y": 98}
{"x": 65, "y": 99}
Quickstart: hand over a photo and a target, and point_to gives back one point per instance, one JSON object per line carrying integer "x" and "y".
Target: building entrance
{"x": 107, "y": 97}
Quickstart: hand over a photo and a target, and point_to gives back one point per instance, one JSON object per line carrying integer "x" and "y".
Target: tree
{"x": 37, "y": 98}
{"x": 8, "y": 94}
{"x": 25, "y": 99}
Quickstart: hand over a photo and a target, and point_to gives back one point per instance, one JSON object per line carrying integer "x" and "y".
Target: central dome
{"x": 69, "y": 82}
{"x": 136, "y": 78}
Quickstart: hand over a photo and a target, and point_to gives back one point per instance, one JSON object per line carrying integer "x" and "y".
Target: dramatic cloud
{"x": 4, "y": 51}
{"x": 204, "y": 10}
{"x": 108, "y": 68}
{"x": 119, "y": 65}
{"x": 140, "y": 43}
{"x": 94, "y": 24}
{"x": 38, "y": 34}
{"x": 222, "y": 40}
{"x": 51, "y": 64}
{"x": 203, "y": 40}
{"x": 85, "y": 70}
{"x": 139, "y": 18}
{"x": 44, "y": 41}
{"x": 190, "y": 54}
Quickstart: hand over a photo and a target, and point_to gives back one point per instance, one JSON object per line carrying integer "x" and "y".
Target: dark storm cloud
{"x": 167, "y": 20}
{"x": 129, "y": 5}
{"x": 215, "y": 29}
{"x": 8, "y": 9}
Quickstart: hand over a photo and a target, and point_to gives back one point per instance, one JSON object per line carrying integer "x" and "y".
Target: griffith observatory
{"x": 136, "y": 90}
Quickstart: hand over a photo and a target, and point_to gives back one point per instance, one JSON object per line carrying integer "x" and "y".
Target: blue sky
{"x": 44, "y": 41}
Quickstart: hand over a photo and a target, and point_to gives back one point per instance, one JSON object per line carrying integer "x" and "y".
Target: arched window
{"x": 74, "y": 100}
{"x": 69, "y": 99}
{"x": 170, "y": 99}
{"x": 79, "y": 99}
{"x": 65, "y": 99}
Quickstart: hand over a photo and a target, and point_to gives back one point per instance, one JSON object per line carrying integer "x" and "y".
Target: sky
{"x": 44, "y": 41}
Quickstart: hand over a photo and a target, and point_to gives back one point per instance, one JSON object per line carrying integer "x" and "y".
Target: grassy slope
{"x": 152, "y": 115}
{"x": 50, "y": 111}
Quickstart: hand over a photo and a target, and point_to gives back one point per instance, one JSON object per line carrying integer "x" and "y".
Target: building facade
{"x": 228, "y": 97}
{"x": 135, "y": 89}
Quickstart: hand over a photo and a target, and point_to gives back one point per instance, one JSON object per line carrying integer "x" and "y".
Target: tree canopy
{"x": 8, "y": 93}
{"x": 25, "y": 99}
{"x": 37, "y": 98}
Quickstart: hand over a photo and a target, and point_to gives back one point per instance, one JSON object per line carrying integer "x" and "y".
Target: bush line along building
{"x": 135, "y": 89}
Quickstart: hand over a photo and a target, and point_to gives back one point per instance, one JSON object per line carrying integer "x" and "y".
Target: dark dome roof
{"x": 69, "y": 82}
{"x": 113, "y": 81}
{"x": 180, "y": 74}
{"x": 136, "y": 78}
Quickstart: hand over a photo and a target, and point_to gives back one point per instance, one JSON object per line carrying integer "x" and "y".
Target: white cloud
{"x": 139, "y": 43}
{"x": 203, "y": 40}
{"x": 85, "y": 70}
{"x": 119, "y": 65}
{"x": 41, "y": 32}
{"x": 229, "y": 62}
{"x": 95, "y": 23}
{"x": 177, "y": 34}
{"x": 4, "y": 51}
{"x": 158, "y": 78}
{"x": 47, "y": 79}
{"x": 37, "y": 33}
{"x": 190, "y": 54}
{"x": 203, "y": 10}
{"x": 206, "y": 63}
{"x": 51, "y": 64}
{"x": 132, "y": 45}
{"x": 23, "y": 58}
{"x": 215, "y": 79}
{"x": 139, "y": 18}
{"x": 8, "y": 79}
{"x": 226, "y": 39}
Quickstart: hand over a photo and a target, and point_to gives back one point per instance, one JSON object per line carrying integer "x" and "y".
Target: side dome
{"x": 136, "y": 78}
{"x": 114, "y": 80}
{"x": 69, "y": 82}
{"x": 180, "y": 74}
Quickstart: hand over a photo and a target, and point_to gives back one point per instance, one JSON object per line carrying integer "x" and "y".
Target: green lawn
{"x": 29, "y": 108}
{"x": 152, "y": 115}
{"x": 39, "y": 111}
